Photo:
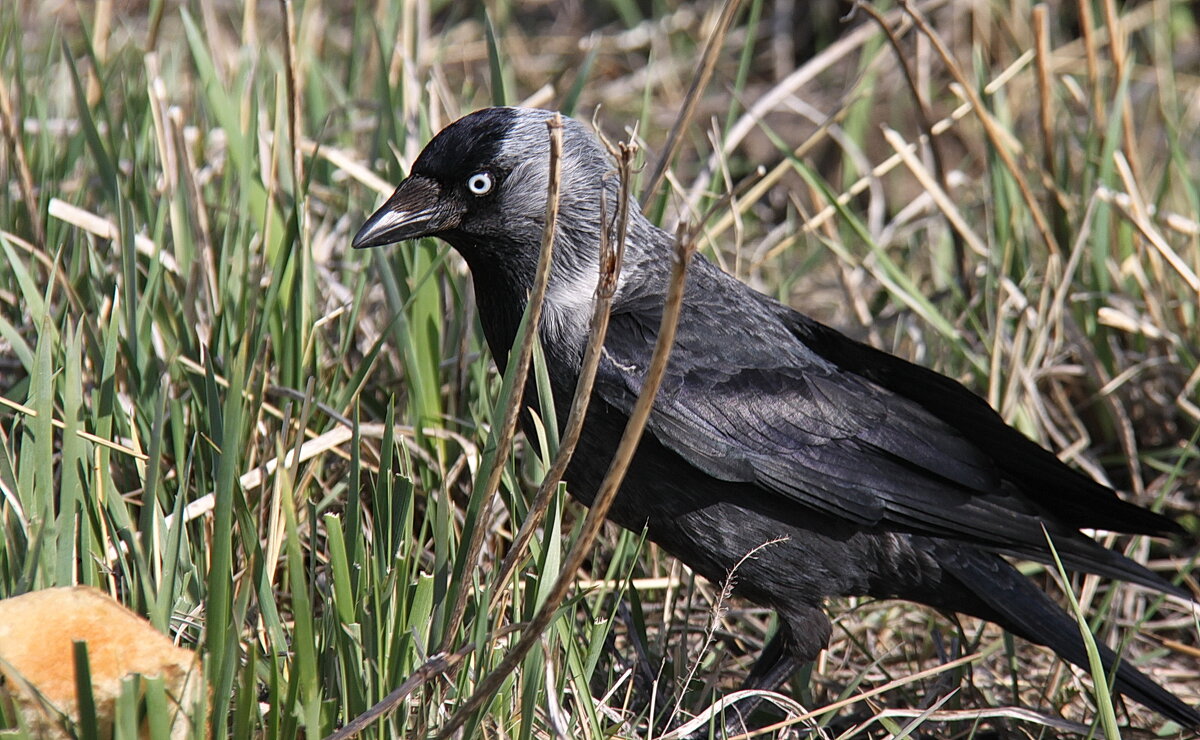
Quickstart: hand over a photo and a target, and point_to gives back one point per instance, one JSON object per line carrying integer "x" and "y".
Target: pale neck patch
{"x": 567, "y": 312}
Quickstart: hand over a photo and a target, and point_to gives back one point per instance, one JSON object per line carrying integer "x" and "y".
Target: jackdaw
{"x": 872, "y": 476}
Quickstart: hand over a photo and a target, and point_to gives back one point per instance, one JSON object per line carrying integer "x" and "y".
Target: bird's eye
{"x": 480, "y": 183}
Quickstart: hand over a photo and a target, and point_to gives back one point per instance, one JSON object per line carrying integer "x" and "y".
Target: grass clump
{"x": 267, "y": 443}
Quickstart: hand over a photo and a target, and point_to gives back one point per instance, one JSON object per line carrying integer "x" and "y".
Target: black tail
{"x": 1014, "y": 603}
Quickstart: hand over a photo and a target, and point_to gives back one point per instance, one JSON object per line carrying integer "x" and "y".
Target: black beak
{"x": 416, "y": 209}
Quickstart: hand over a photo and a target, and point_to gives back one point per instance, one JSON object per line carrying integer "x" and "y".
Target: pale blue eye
{"x": 480, "y": 183}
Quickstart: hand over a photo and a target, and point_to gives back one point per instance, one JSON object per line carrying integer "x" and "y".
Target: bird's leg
{"x": 804, "y": 632}
{"x": 645, "y": 666}
{"x": 774, "y": 666}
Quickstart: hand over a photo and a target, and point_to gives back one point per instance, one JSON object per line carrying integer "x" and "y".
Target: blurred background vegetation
{"x": 268, "y": 444}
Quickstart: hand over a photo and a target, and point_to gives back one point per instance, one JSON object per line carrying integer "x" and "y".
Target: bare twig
{"x": 1015, "y": 714}
{"x": 606, "y": 288}
{"x": 990, "y": 127}
{"x": 1087, "y": 32}
{"x": 106, "y": 229}
{"x": 59, "y": 424}
{"x": 1139, "y": 212}
{"x": 685, "y": 246}
{"x": 511, "y": 412}
{"x": 939, "y": 194}
{"x": 10, "y": 128}
{"x": 1045, "y": 85}
{"x": 718, "y": 610}
{"x": 924, "y": 120}
{"x": 1118, "y": 54}
{"x": 763, "y": 104}
{"x": 431, "y": 669}
{"x": 874, "y": 691}
{"x": 707, "y": 62}
{"x": 293, "y": 98}
{"x": 1041, "y": 36}
{"x": 101, "y": 26}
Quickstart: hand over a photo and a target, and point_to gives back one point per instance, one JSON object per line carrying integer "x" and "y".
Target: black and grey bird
{"x": 871, "y": 475}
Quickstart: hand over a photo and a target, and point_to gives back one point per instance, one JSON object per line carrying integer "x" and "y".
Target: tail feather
{"x": 1081, "y": 553}
{"x": 1025, "y": 610}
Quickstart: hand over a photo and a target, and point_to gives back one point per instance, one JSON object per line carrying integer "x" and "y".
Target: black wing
{"x": 747, "y": 399}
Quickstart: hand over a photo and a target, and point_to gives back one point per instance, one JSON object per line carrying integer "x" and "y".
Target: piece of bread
{"x": 37, "y": 664}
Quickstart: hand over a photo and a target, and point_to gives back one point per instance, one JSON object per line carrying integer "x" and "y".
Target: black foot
{"x": 775, "y": 666}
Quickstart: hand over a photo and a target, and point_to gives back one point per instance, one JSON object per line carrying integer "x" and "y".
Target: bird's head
{"x": 481, "y": 185}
